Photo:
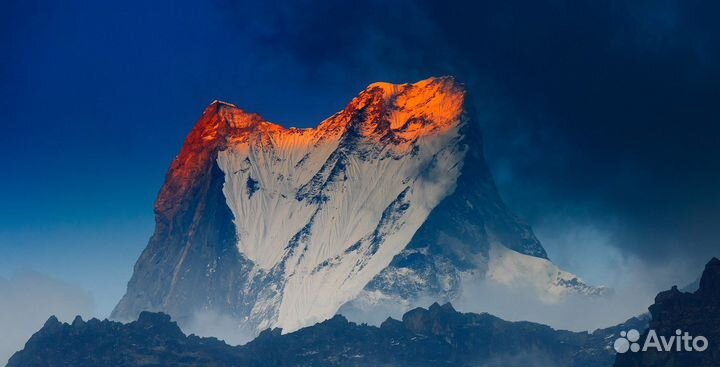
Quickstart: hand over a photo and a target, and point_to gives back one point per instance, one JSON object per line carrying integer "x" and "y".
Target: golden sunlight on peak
{"x": 427, "y": 107}
{"x": 438, "y": 100}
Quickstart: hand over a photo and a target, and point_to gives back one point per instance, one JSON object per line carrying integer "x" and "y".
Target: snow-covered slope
{"x": 510, "y": 268}
{"x": 333, "y": 206}
{"x": 389, "y": 199}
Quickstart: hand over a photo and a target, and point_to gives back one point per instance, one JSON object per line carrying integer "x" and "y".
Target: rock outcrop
{"x": 696, "y": 313}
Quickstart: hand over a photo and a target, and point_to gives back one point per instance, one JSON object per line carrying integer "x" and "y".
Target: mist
{"x": 581, "y": 248}
{"x": 28, "y": 299}
{"x": 600, "y": 112}
{"x": 213, "y": 324}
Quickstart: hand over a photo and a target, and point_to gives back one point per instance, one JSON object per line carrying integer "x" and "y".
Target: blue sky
{"x": 95, "y": 103}
{"x": 600, "y": 119}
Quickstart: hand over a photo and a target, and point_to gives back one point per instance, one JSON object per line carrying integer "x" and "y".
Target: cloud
{"x": 576, "y": 313}
{"x": 602, "y": 112}
{"x": 213, "y": 324}
{"x": 634, "y": 285}
{"x": 28, "y": 299}
{"x": 585, "y": 249}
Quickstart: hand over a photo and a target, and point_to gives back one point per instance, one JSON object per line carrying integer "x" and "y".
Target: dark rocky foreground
{"x": 697, "y": 313}
{"x": 424, "y": 337}
{"x": 438, "y": 336}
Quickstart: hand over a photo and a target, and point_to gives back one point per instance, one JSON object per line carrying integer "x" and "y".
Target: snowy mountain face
{"x": 387, "y": 201}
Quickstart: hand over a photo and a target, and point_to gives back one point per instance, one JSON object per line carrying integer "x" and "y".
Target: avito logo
{"x": 680, "y": 342}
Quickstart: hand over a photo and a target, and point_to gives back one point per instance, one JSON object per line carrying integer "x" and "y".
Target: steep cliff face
{"x": 387, "y": 201}
{"x": 193, "y": 231}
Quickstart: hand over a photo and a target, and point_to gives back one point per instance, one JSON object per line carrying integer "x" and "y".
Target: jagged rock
{"x": 697, "y": 313}
{"x": 437, "y": 336}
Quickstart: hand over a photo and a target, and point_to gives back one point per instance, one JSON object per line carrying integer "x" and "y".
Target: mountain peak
{"x": 438, "y": 101}
{"x": 52, "y": 322}
{"x": 387, "y": 201}
{"x": 221, "y": 118}
{"x": 218, "y": 102}
{"x": 391, "y": 89}
{"x": 407, "y": 109}
{"x": 710, "y": 280}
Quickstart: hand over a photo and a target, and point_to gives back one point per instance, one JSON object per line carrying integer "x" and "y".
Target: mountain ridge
{"x": 387, "y": 201}
{"x": 437, "y": 335}
{"x": 432, "y": 336}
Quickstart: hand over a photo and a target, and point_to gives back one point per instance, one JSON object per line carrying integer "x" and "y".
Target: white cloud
{"x": 223, "y": 327}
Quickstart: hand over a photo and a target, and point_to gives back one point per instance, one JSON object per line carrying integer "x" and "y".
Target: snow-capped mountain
{"x": 387, "y": 201}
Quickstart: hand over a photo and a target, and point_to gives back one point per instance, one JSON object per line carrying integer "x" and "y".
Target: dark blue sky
{"x": 601, "y": 118}
{"x": 95, "y": 102}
